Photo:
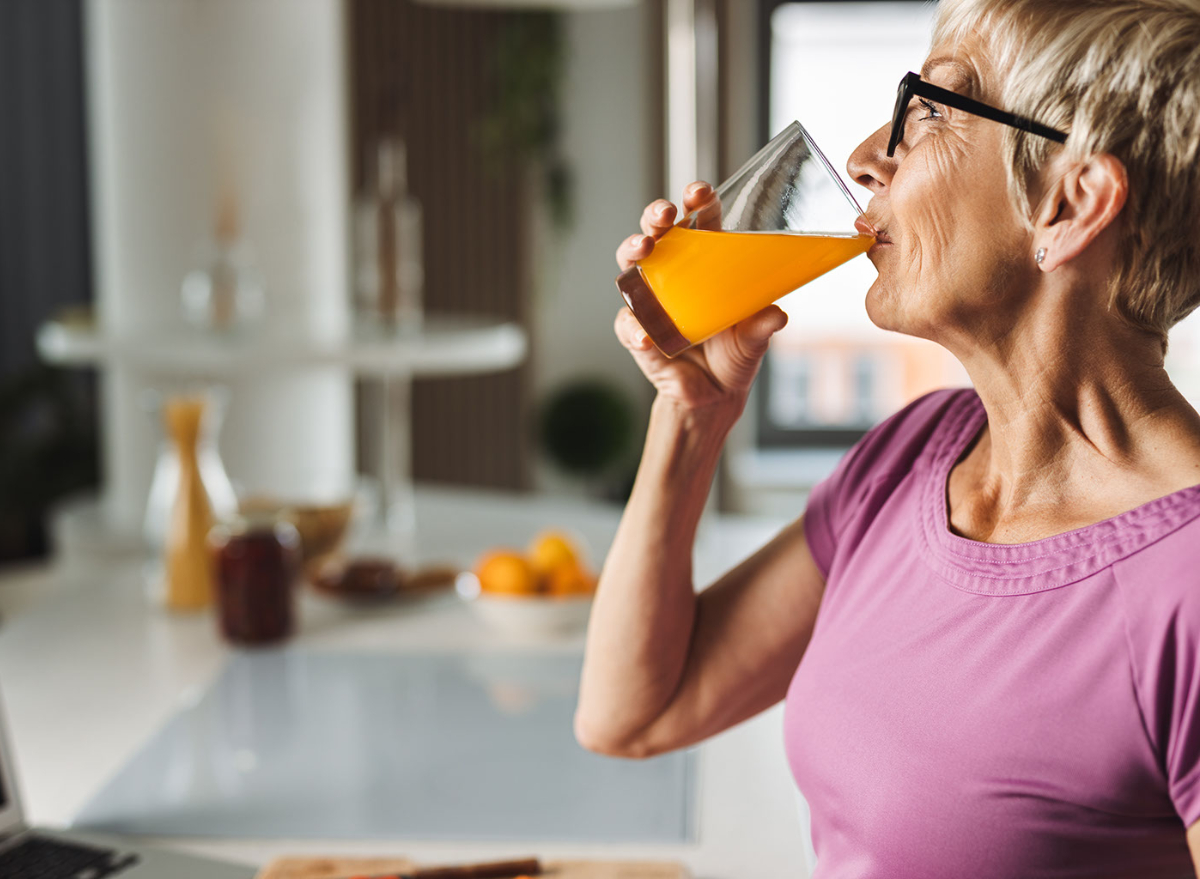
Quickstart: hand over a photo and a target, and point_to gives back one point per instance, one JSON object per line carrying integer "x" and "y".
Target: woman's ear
{"x": 1080, "y": 204}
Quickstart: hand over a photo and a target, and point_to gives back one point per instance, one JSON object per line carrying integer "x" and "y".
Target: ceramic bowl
{"x": 525, "y": 615}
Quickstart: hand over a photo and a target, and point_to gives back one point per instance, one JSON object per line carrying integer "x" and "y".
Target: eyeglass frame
{"x": 911, "y": 86}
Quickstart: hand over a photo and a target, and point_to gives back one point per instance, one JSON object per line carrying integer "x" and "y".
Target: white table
{"x": 447, "y": 345}
{"x": 90, "y": 671}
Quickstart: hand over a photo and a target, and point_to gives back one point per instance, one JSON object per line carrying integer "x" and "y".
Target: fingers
{"x": 755, "y": 332}
{"x": 657, "y": 218}
{"x": 632, "y": 249}
{"x": 696, "y": 194}
{"x": 701, "y": 198}
{"x": 708, "y": 216}
{"x": 629, "y": 331}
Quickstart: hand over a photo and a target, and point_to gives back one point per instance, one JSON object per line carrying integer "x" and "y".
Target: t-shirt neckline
{"x": 1049, "y": 563}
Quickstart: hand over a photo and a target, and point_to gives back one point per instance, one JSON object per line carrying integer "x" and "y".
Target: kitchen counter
{"x": 90, "y": 671}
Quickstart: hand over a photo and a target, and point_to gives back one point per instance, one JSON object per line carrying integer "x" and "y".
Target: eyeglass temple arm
{"x": 953, "y": 99}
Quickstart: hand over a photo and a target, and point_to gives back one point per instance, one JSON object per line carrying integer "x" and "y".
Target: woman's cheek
{"x": 925, "y": 191}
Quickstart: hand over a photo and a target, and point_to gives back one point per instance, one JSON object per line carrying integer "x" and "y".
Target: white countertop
{"x": 90, "y": 671}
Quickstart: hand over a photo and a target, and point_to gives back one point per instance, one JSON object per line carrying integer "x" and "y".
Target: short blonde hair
{"x": 1122, "y": 77}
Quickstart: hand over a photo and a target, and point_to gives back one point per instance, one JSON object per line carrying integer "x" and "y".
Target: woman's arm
{"x": 1193, "y": 838}
{"x": 665, "y": 668}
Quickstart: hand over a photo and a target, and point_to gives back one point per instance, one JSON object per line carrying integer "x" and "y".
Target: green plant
{"x": 47, "y": 450}
{"x": 522, "y": 122}
{"x": 586, "y": 427}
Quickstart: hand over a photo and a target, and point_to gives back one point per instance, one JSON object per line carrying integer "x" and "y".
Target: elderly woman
{"x": 986, "y": 625}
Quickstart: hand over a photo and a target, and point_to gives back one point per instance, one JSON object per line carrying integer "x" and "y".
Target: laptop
{"x": 53, "y": 854}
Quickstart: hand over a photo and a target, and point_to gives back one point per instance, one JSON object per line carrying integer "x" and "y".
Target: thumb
{"x": 755, "y": 332}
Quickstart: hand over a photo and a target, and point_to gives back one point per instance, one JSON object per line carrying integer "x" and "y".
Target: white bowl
{"x": 525, "y": 615}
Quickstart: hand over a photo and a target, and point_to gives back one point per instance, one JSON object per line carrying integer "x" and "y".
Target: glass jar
{"x": 225, "y": 291}
{"x": 258, "y": 564}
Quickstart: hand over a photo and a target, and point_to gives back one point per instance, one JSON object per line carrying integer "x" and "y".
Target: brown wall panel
{"x": 423, "y": 72}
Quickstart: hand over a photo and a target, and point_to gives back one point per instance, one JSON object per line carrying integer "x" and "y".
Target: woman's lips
{"x": 866, "y": 227}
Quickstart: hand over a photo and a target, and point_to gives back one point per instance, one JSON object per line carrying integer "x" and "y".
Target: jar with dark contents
{"x": 258, "y": 564}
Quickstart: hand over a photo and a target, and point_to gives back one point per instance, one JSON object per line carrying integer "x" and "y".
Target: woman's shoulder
{"x": 1161, "y": 583}
{"x": 920, "y": 429}
{"x": 878, "y": 462}
{"x": 1159, "y": 589}
{"x": 924, "y": 415}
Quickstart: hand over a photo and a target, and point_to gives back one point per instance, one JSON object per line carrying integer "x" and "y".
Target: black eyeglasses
{"x": 912, "y": 85}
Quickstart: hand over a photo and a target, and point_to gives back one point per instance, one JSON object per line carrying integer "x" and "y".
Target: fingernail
{"x": 663, "y": 210}
{"x": 637, "y": 241}
{"x": 639, "y": 338}
{"x": 697, "y": 188}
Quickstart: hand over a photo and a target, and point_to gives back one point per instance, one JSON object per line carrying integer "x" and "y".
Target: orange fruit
{"x": 552, "y": 550}
{"x": 506, "y": 572}
{"x": 570, "y": 580}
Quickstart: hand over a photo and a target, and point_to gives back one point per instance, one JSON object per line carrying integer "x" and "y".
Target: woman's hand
{"x": 720, "y": 371}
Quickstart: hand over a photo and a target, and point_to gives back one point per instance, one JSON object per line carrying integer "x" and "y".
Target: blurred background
{"x": 376, "y": 237}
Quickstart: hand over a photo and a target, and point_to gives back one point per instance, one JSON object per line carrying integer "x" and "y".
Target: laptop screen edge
{"x": 11, "y": 817}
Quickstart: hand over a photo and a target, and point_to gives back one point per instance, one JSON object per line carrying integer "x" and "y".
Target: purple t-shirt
{"x": 977, "y": 710}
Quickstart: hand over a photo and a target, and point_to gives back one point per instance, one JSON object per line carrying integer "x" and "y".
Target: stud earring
{"x": 1040, "y": 256}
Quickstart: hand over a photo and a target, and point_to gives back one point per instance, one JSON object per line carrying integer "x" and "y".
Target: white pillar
{"x": 692, "y": 94}
{"x": 186, "y": 97}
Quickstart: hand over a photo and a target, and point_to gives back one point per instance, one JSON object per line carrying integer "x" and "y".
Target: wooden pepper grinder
{"x": 189, "y": 572}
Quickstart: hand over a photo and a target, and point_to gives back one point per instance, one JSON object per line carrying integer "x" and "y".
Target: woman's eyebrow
{"x": 963, "y": 78}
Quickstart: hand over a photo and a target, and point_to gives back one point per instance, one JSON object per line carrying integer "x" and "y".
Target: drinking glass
{"x": 782, "y": 220}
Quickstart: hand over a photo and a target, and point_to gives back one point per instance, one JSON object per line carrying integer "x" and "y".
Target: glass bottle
{"x": 188, "y": 574}
{"x": 388, "y": 231}
{"x": 172, "y": 480}
{"x": 164, "y": 485}
{"x": 225, "y": 290}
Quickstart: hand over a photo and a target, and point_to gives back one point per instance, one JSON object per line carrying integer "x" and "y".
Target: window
{"x": 790, "y": 401}
{"x": 831, "y": 374}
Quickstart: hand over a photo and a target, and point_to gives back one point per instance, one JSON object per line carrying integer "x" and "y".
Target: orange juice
{"x": 704, "y": 281}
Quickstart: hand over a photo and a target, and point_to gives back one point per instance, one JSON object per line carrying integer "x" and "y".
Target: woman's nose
{"x": 869, "y": 165}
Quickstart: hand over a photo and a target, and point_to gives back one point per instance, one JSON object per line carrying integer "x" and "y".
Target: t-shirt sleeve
{"x": 1183, "y": 717}
{"x": 1164, "y": 636}
{"x": 890, "y": 447}
{"x": 826, "y": 509}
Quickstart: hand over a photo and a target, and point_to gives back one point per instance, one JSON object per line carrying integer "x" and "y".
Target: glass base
{"x": 650, "y": 313}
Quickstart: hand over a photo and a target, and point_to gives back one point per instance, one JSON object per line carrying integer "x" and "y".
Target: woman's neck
{"x": 1083, "y": 423}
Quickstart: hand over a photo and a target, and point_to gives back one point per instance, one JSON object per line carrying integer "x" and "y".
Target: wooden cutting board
{"x": 339, "y": 868}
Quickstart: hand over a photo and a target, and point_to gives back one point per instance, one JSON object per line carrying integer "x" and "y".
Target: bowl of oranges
{"x": 545, "y": 590}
